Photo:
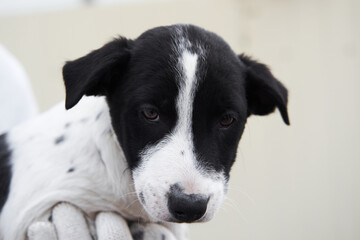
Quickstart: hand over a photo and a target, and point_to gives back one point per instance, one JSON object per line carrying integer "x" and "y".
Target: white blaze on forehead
{"x": 177, "y": 148}
{"x": 185, "y": 100}
{"x": 180, "y": 140}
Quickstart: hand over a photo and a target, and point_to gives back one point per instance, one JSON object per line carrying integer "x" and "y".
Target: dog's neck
{"x": 119, "y": 180}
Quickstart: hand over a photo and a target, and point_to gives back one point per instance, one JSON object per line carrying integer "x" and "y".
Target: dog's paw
{"x": 150, "y": 231}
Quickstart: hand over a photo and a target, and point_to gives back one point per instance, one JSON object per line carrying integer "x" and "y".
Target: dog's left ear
{"x": 263, "y": 91}
{"x": 92, "y": 74}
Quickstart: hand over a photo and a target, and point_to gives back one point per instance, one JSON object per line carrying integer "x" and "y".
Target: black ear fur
{"x": 264, "y": 92}
{"x": 91, "y": 74}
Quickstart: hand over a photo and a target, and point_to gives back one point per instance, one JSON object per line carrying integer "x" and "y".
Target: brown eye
{"x": 151, "y": 114}
{"x": 226, "y": 120}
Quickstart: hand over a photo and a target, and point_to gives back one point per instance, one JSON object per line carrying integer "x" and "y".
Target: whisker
{"x": 245, "y": 194}
{"x": 233, "y": 204}
{"x": 129, "y": 205}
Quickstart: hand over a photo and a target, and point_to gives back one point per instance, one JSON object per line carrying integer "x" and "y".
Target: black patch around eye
{"x": 218, "y": 100}
{"x": 67, "y": 125}
{"x": 71, "y": 170}
{"x": 59, "y": 139}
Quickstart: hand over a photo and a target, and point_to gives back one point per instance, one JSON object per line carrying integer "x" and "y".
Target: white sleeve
{"x": 17, "y": 102}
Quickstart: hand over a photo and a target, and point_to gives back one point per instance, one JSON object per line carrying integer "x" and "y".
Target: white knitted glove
{"x": 69, "y": 223}
{"x": 111, "y": 226}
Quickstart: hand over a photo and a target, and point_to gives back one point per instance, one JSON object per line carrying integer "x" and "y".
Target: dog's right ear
{"x": 263, "y": 91}
{"x": 91, "y": 74}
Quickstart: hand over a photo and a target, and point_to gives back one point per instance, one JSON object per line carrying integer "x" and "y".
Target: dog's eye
{"x": 226, "y": 120}
{"x": 151, "y": 114}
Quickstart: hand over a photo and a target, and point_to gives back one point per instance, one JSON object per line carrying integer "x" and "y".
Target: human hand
{"x": 69, "y": 223}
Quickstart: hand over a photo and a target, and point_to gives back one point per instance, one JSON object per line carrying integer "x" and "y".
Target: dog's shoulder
{"x": 54, "y": 136}
{"x": 57, "y": 120}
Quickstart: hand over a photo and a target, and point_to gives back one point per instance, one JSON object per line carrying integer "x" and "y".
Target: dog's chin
{"x": 170, "y": 219}
{"x": 203, "y": 219}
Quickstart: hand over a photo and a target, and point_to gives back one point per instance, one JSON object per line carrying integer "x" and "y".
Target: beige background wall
{"x": 298, "y": 182}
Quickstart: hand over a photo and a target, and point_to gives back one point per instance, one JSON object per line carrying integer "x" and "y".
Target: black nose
{"x": 187, "y": 207}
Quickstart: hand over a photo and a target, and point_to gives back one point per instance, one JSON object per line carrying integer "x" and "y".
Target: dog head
{"x": 179, "y": 98}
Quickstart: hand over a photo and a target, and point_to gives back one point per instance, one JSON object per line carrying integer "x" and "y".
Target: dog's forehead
{"x": 158, "y": 58}
{"x": 167, "y": 42}
{"x": 191, "y": 78}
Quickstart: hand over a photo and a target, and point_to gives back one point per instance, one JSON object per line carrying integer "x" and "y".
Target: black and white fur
{"x": 105, "y": 154}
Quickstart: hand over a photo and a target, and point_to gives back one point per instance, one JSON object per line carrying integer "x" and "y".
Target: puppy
{"x": 154, "y": 140}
